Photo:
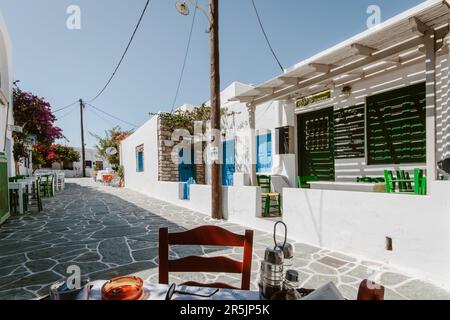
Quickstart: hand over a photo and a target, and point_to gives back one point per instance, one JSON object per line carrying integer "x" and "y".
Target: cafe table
{"x": 29, "y": 181}
{"x": 154, "y": 291}
{"x": 348, "y": 186}
{"x": 159, "y": 291}
{"x": 20, "y": 187}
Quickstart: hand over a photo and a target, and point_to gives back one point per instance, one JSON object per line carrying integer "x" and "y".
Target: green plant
{"x": 121, "y": 172}
{"x": 113, "y": 138}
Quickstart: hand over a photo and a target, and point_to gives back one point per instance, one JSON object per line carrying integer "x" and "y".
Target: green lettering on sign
{"x": 314, "y": 98}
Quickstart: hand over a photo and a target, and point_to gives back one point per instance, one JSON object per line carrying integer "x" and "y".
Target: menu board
{"x": 350, "y": 132}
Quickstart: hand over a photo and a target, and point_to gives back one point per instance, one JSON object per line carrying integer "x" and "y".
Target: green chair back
{"x": 265, "y": 183}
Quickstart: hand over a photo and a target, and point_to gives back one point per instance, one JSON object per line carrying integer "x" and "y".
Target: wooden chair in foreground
{"x": 370, "y": 291}
{"x": 207, "y": 236}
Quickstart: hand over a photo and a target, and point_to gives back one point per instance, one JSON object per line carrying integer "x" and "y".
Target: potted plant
{"x": 121, "y": 175}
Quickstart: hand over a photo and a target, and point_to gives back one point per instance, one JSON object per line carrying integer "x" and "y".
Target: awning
{"x": 396, "y": 43}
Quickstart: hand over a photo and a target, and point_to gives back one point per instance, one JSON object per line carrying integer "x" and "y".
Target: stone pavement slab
{"x": 111, "y": 232}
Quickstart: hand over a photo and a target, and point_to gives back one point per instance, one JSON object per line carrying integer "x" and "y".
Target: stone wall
{"x": 167, "y": 169}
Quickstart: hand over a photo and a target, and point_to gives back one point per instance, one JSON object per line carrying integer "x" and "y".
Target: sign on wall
{"x": 350, "y": 132}
{"x": 312, "y": 99}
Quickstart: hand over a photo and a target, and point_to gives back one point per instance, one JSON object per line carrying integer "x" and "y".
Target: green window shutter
{"x": 396, "y": 128}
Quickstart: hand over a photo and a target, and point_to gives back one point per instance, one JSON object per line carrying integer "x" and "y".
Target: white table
{"x": 159, "y": 291}
{"x": 20, "y": 186}
{"x": 348, "y": 186}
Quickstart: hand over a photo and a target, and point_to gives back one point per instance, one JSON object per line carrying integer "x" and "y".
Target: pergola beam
{"x": 264, "y": 90}
{"x": 290, "y": 80}
{"x": 363, "y": 50}
{"x": 321, "y": 67}
{"x": 344, "y": 69}
{"x": 418, "y": 27}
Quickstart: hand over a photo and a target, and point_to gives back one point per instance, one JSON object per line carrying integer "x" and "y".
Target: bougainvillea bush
{"x": 34, "y": 114}
{"x": 45, "y": 156}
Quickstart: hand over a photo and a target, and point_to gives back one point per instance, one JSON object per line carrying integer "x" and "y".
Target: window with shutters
{"x": 396, "y": 128}
{"x": 140, "y": 158}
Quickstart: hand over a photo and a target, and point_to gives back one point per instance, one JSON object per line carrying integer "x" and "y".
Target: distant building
{"x": 93, "y": 162}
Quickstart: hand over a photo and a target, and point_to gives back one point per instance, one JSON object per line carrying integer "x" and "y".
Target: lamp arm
{"x": 201, "y": 8}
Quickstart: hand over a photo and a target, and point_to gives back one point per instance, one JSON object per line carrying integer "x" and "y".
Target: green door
{"x": 4, "y": 202}
{"x": 316, "y": 144}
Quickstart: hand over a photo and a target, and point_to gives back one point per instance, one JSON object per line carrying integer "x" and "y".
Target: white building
{"x": 7, "y": 167}
{"x": 377, "y": 101}
{"x": 75, "y": 169}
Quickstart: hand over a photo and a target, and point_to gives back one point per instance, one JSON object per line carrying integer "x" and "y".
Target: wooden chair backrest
{"x": 206, "y": 236}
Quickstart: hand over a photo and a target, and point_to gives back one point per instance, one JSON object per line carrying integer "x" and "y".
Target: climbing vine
{"x": 185, "y": 119}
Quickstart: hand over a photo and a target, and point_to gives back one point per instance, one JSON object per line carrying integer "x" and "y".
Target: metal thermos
{"x": 271, "y": 277}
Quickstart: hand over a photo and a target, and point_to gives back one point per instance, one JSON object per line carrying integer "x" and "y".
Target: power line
{"x": 185, "y": 56}
{"x": 112, "y": 116}
{"x": 66, "y": 107}
{"x": 265, "y": 36}
{"x": 124, "y": 53}
{"x": 67, "y": 114}
{"x": 99, "y": 116}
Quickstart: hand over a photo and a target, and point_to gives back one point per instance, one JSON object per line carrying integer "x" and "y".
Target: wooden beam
{"x": 245, "y": 99}
{"x": 264, "y": 90}
{"x": 431, "y": 138}
{"x": 363, "y": 50}
{"x": 440, "y": 35}
{"x": 418, "y": 27}
{"x": 346, "y": 68}
{"x": 290, "y": 80}
{"x": 323, "y": 68}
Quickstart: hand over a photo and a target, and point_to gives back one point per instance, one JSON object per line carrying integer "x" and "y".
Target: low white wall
{"x": 358, "y": 223}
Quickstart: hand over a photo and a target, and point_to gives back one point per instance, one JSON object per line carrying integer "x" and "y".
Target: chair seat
{"x": 271, "y": 194}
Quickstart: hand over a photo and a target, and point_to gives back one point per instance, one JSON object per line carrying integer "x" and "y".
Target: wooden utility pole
{"x": 83, "y": 151}
{"x": 216, "y": 174}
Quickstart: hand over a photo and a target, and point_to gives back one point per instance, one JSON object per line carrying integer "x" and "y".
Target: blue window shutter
{"x": 140, "y": 161}
{"x": 264, "y": 152}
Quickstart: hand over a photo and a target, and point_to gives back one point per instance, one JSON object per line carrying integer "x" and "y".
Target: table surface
{"x": 17, "y": 185}
{"x": 335, "y": 183}
{"x": 159, "y": 291}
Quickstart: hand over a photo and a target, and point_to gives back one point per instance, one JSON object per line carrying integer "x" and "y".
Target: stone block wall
{"x": 167, "y": 169}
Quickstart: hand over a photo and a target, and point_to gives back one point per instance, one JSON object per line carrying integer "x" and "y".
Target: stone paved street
{"x": 110, "y": 232}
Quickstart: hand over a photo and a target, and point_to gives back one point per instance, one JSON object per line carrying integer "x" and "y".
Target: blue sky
{"x": 63, "y": 65}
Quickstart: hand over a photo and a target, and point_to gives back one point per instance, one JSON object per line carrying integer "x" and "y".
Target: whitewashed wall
{"x": 6, "y": 69}
{"x": 359, "y": 222}
{"x": 147, "y": 135}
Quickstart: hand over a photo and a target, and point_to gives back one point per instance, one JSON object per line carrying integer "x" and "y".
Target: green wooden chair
{"x": 403, "y": 183}
{"x": 46, "y": 185}
{"x": 420, "y": 182}
{"x": 36, "y": 197}
{"x": 265, "y": 183}
{"x": 303, "y": 181}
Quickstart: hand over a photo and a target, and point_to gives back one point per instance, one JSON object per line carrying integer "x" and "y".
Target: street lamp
{"x": 216, "y": 174}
